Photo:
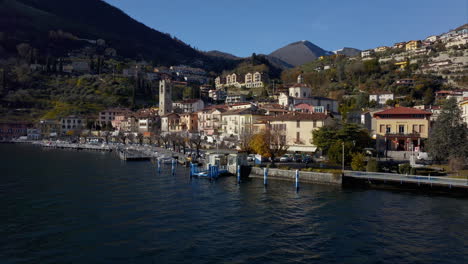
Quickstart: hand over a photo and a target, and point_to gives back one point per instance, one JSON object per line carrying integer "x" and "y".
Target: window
{"x": 388, "y": 129}
{"x": 401, "y": 129}
{"x": 415, "y": 129}
{"x": 298, "y": 136}
{"x": 382, "y": 128}
{"x": 314, "y": 124}
{"x": 298, "y": 123}
{"x": 421, "y": 129}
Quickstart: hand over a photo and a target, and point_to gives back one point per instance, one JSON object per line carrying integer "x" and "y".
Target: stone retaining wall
{"x": 304, "y": 176}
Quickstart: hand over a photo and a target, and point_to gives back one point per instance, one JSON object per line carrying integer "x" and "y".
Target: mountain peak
{"x": 298, "y": 53}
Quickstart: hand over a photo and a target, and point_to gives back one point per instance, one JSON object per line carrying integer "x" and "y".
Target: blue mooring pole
{"x": 238, "y": 174}
{"x": 191, "y": 169}
{"x": 173, "y": 166}
{"x": 265, "y": 176}
{"x": 159, "y": 165}
{"x": 297, "y": 179}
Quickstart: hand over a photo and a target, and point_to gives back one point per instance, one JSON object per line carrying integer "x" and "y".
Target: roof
{"x": 298, "y": 117}
{"x": 244, "y": 111}
{"x": 170, "y": 114}
{"x": 402, "y": 111}
{"x": 188, "y": 101}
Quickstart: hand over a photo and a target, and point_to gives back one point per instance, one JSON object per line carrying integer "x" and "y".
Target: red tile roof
{"x": 296, "y": 116}
{"x": 402, "y": 111}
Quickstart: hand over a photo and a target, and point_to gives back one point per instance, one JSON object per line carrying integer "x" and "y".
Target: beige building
{"x": 381, "y": 49}
{"x": 249, "y": 80}
{"x": 189, "y": 122}
{"x": 402, "y": 128}
{"x": 239, "y": 121}
{"x": 298, "y": 128}
{"x": 209, "y": 121}
{"x": 170, "y": 123}
{"x": 412, "y": 45}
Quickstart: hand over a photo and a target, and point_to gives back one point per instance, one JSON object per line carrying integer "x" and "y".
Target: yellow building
{"x": 413, "y": 45}
{"x": 402, "y": 64}
{"x": 298, "y": 128}
{"x": 402, "y": 128}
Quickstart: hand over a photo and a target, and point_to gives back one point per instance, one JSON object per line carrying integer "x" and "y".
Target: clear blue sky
{"x": 242, "y": 27}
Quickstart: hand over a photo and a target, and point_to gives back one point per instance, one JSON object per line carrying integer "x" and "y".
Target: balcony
{"x": 403, "y": 134}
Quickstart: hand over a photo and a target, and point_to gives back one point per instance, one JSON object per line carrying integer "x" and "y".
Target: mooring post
{"x": 173, "y": 166}
{"x": 238, "y": 174}
{"x": 159, "y": 165}
{"x": 297, "y": 179}
{"x": 191, "y": 169}
{"x": 265, "y": 176}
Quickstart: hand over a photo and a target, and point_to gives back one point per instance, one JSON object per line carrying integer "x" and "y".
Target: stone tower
{"x": 165, "y": 97}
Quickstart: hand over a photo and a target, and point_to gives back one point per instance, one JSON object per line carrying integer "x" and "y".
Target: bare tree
{"x": 244, "y": 142}
{"x": 196, "y": 143}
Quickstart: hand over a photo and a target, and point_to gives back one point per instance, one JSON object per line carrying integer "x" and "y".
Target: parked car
{"x": 285, "y": 158}
{"x": 297, "y": 158}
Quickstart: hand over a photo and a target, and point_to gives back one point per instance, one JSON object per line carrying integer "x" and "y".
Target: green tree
{"x": 449, "y": 135}
{"x": 372, "y": 165}
{"x": 358, "y": 162}
{"x": 330, "y": 139}
{"x": 428, "y": 97}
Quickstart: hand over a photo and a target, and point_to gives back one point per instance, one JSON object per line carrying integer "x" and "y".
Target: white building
{"x": 381, "y": 99}
{"x": 189, "y": 105}
{"x": 366, "y": 53}
{"x": 240, "y": 121}
{"x": 302, "y": 93}
{"x": 232, "y": 99}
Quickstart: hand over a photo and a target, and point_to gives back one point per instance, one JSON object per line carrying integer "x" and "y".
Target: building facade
{"x": 381, "y": 98}
{"x": 297, "y": 128}
{"x": 189, "y": 105}
{"x": 402, "y": 128}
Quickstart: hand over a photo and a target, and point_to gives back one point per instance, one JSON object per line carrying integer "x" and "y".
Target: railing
{"x": 407, "y": 178}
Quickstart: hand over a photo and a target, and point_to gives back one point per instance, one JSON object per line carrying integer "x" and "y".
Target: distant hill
{"x": 298, "y": 53}
{"x": 350, "y": 52}
{"x": 31, "y": 20}
{"x": 220, "y": 54}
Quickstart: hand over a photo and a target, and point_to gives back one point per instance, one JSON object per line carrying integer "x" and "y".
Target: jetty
{"x": 405, "y": 182}
{"x": 133, "y": 155}
{"x": 75, "y": 146}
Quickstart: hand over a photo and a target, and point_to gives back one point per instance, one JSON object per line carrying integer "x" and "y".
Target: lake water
{"x": 62, "y": 206}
